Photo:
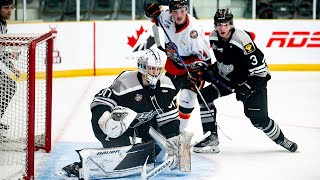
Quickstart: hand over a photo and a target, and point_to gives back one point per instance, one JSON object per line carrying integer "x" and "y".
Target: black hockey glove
{"x": 210, "y": 74}
{"x": 196, "y": 78}
{"x": 153, "y": 10}
{"x": 244, "y": 90}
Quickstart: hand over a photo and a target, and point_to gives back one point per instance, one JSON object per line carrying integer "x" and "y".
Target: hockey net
{"x": 26, "y": 83}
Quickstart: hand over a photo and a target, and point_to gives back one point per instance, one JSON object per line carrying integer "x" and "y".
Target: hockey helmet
{"x": 148, "y": 61}
{"x": 177, "y": 4}
{"x": 223, "y": 16}
{"x": 6, "y": 2}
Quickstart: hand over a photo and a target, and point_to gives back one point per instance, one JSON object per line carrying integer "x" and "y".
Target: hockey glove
{"x": 153, "y": 10}
{"x": 196, "y": 78}
{"x": 116, "y": 123}
{"x": 244, "y": 90}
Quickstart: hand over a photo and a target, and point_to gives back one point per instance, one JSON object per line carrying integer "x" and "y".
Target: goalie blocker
{"x": 111, "y": 162}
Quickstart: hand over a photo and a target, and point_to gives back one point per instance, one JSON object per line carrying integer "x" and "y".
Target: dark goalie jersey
{"x": 155, "y": 105}
{"x": 239, "y": 59}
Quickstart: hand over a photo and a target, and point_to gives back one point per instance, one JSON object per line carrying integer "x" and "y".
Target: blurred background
{"x": 92, "y": 10}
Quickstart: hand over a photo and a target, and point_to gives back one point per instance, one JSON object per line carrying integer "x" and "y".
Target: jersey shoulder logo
{"x": 193, "y": 34}
{"x": 249, "y": 48}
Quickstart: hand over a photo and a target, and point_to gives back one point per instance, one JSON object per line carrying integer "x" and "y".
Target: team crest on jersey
{"x": 138, "y": 97}
{"x": 193, "y": 34}
{"x": 249, "y": 48}
{"x": 215, "y": 48}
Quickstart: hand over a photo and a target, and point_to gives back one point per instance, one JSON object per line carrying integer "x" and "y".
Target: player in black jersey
{"x": 147, "y": 93}
{"x": 240, "y": 68}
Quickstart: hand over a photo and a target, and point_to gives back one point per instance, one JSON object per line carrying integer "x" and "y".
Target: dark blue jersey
{"x": 238, "y": 58}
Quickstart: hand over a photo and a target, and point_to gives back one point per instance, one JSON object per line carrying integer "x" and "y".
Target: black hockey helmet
{"x": 177, "y": 4}
{"x": 6, "y": 2}
{"x": 223, "y": 16}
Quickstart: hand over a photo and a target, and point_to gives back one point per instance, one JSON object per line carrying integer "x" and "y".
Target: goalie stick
{"x": 161, "y": 141}
{"x": 189, "y": 75}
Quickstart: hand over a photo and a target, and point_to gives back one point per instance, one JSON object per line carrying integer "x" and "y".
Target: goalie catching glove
{"x": 116, "y": 123}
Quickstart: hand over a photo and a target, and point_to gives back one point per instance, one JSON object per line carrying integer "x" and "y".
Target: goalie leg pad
{"x": 179, "y": 148}
{"x": 185, "y": 155}
{"x": 116, "y": 162}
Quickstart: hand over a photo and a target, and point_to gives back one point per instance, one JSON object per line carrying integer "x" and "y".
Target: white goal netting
{"x": 25, "y": 101}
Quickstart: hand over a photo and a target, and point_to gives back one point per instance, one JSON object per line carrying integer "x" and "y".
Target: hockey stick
{"x": 155, "y": 171}
{"x": 156, "y": 37}
{"x": 161, "y": 141}
{"x": 189, "y": 75}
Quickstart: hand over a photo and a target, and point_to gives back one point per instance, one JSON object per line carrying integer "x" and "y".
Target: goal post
{"x": 26, "y": 101}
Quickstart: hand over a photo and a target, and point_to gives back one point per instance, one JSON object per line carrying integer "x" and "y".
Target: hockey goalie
{"x": 134, "y": 159}
{"x": 124, "y": 113}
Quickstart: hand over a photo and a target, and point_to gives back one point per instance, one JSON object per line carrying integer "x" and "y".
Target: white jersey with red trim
{"x": 190, "y": 42}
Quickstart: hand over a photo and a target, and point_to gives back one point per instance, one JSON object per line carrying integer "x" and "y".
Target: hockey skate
{"x": 289, "y": 145}
{"x": 72, "y": 170}
{"x": 208, "y": 145}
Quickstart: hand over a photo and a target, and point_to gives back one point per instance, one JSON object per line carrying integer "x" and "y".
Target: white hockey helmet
{"x": 151, "y": 65}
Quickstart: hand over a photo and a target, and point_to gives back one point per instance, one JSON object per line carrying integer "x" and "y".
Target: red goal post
{"x": 26, "y": 101}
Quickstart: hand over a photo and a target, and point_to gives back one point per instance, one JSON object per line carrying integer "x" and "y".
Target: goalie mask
{"x": 151, "y": 65}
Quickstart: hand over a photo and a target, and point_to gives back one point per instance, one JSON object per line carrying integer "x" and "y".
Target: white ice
{"x": 294, "y": 101}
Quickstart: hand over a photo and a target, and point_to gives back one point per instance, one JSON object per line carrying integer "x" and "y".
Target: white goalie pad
{"x": 116, "y": 162}
{"x": 177, "y": 147}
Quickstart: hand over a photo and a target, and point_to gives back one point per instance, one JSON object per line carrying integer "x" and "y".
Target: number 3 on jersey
{"x": 254, "y": 60}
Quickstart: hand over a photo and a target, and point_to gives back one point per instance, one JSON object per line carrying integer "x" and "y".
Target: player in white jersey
{"x": 8, "y": 86}
{"x": 189, "y": 40}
